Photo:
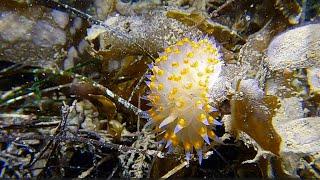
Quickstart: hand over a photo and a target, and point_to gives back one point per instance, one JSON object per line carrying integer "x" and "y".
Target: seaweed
{"x": 72, "y": 97}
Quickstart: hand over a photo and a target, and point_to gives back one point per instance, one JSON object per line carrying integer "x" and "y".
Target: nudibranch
{"x": 179, "y": 93}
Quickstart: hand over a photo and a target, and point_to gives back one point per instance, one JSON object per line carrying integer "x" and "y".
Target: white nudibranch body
{"x": 180, "y": 84}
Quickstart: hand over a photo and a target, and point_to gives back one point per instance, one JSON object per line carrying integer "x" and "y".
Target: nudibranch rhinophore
{"x": 179, "y": 92}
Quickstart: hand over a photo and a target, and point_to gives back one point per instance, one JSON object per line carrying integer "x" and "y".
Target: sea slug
{"x": 179, "y": 93}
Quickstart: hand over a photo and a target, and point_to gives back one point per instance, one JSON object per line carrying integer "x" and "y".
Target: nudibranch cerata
{"x": 179, "y": 92}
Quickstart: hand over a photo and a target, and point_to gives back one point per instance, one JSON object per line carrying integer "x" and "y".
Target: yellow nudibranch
{"x": 179, "y": 92}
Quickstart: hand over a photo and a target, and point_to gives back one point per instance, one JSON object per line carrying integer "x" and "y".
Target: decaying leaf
{"x": 221, "y": 33}
{"x": 252, "y": 113}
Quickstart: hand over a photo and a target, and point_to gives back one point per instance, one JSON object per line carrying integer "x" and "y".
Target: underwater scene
{"x": 160, "y": 89}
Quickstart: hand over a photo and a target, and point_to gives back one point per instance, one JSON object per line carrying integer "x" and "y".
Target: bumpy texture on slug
{"x": 180, "y": 83}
